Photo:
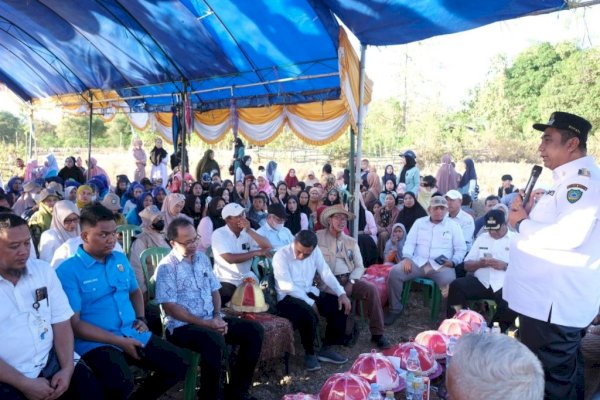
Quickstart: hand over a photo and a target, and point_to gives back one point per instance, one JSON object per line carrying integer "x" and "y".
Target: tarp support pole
{"x": 31, "y": 134}
{"x": 351, "y": 167}
{"x": 184, "y": 100}
{"x": 91, "y": 104}
{"x": 359, "y": 124}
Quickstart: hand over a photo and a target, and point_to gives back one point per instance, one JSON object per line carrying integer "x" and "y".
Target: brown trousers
{"x": 366, "y": 292}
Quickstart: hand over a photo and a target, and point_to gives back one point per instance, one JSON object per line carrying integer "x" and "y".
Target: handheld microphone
{"x": 535, "y": 174}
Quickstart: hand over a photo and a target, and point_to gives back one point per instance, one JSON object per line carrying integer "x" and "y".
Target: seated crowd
{"x": 73, "y": 292}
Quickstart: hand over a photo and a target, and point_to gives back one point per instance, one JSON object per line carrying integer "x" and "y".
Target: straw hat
{"x": 332, "y": 210}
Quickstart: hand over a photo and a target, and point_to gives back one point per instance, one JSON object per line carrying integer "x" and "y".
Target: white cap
{"x": 454, "y": 195}
{"x": 232, "y": 210}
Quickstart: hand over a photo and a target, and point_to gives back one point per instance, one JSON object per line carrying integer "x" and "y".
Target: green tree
{"x": 11, "y": 127}
{"x": 72, "y": 131}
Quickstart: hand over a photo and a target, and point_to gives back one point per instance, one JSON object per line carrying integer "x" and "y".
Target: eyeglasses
{"x": 189, "y": 242}
{"x": 68, "y": 221}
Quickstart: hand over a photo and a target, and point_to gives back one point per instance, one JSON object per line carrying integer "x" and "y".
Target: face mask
{"x": 158, "y": 225}
{"x": 248, "y": 163}
{"x": 278, "y": 227}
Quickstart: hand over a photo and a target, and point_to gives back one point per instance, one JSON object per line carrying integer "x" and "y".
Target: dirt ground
{"x": 271, "y": 383}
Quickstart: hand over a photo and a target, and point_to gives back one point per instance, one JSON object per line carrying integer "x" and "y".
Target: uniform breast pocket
{"x": 328, "y": 255}
{"x": 122, "y": 282}
{"x": 90, "y": 290}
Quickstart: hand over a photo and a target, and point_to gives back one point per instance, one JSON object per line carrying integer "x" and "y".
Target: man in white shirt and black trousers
{"x": 36, "y": 349}
{"x": 488, "y": 261}
{"x": 553, "y": 281}
{"x": 294, "y": 267}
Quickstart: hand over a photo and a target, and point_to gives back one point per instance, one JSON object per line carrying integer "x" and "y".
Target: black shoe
{"x": 381, "y": 342}
{"x": 351, "y": 341}
{"x": 391, "y": 317}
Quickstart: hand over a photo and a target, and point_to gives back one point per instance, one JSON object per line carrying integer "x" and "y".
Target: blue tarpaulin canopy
{"x": 259, "y": 52}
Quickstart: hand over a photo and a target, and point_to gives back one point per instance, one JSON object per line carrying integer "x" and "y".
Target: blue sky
{"x": 446, "y": 67}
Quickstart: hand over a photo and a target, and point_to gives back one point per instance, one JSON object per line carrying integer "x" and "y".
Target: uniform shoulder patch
{"x": 577, "y": 186}
{"x": 574, "y": 194}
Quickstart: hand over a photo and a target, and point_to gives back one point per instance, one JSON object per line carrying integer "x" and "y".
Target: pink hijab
{"x": 447, "y": 178}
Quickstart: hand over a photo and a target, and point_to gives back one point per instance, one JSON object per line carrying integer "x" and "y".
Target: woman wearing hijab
{"x": 172, "y": 207}
{"x": 139, "y": 158}
{"x": 282, "y": 192}
{"x": 95, "y": 170}
{"x": 194, "y": 208}
{"x": 333, "y": 198}
{"x": 389, "y": 174}
{"x": 411, "y": 212}
{"x": 273, "y": 174}
{"x": 468, "y": 181}
{"x": 40, "y": 221}
{"x": 144, "y": 200}
{"x": 26, "y": 201}
{"x": 159, "y": 194}
{"x": 389, "y": 187}
{"x": 122, "y": 186}
{"x": 239, "y": 151}
{"x": 210, "y": 223}
{"x": 159, "y": 159}
{"x": 64, "y": 226}
{"x": 71, "y": 194}
{"x": 447, "y": 178}
{"x": 70, "y": 171}
{"x": 31, "y": 171}
{"x": 14, "y": 188}
{"x": 263, "y": 185}
{"x": 152, "y": 226}
{"x": 291, "y": 180}
{"x": 428, "y": 189}
{"x": 207, "y": 164}
{"x": 50, "y": 166}
{"x": 385, "y": 218}
{"x": 84, "y": 196}
{"x": 243, "y": 169}
{"x": 372, "y": 194}
{"x": 297, "y": 220}
{"x": 129, "y": 199}
{"x": 367, "y": 235}
{"x": 393, "y": 247}
{"x": 410, "y": 174}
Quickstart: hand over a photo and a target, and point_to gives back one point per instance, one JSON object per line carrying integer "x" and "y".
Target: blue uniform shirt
{"x": 100, "y": 293}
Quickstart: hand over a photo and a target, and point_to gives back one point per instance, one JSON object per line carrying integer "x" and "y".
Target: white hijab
{"x": 62, "y": 209}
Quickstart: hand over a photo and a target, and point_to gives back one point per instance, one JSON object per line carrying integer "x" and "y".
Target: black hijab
{"x": 294, "y": 218}
{"x": 409, "y": 164}
{"x": 408, "y": 216}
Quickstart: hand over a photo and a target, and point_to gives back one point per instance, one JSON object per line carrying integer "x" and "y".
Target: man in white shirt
{"x": 554, "y": 277}
{"x": 36, "y": 350}
{"x": 488, "y": 260}
{"x": 464, "y": 220}
{"x": 433, "y": 248}
{"x": 277, "y": 234}
{"x": 301, "y": 302}
{"x": 234, "y": 246}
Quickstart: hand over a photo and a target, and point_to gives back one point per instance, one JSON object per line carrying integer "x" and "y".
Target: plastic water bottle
{"x": 450, "y": 350}
{"x": 496, "y": 328}
{"x": 374, "y": 395}
{"x": 413, "y": 366}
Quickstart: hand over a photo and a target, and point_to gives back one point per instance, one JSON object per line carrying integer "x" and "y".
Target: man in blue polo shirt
{"x": 109, "y": 325}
